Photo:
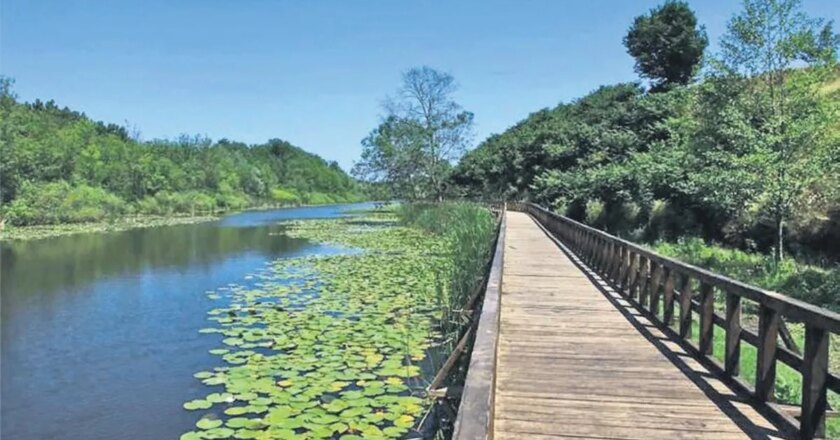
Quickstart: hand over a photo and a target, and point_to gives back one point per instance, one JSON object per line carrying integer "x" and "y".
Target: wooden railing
{"x": 661, "y": 285}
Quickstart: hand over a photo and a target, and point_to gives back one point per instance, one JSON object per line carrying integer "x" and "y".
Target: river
{"x": 100, "y": 331}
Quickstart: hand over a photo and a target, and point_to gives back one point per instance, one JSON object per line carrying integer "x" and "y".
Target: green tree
{"x": 424, "y": 132}
{"x": 764, "y": 123}
{"x": 667, "y": 44}
{"x": 393, "y": 155}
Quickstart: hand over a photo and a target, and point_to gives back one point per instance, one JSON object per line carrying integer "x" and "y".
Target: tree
{"x": 393, "y": 155}
{"x": 764, "y": 122}
{"x": 667, "y": 44}
{"x": 424, "y": 132}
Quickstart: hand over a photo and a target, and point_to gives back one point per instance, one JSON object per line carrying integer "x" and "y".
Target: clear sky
{"x": 315, "y": 72}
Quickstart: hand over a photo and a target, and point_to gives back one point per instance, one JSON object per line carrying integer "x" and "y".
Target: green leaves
{"x": 336, "y": 342}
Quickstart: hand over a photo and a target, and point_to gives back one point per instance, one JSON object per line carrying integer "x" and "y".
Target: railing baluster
{"x": 644, "y": 274}
{"x": 707, "y": 310}
{"x": 655, "y": 288}
{"x": 618, "y": 254}
{"x": 633, "y": 275}
{"x": 765, "y": 368}
{"x": 604, "y": 256}
{"x": 668, "y": 298}
{"x": 732, "y": 357}
{"x": 625, "y": 270}
{"x": 685, "y": 308}
{"x": 814, "y": 375}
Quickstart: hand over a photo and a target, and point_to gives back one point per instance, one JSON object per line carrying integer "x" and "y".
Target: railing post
{"x": 814, "y": 374}
{"x": 732, "y": 357}
{"x": 765, "y": 368}
{"x": 707, "y": 311}
{"x": 685, "y": 308}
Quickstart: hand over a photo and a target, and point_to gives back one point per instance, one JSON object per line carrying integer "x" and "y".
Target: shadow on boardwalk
{"x": 569, "y": 366}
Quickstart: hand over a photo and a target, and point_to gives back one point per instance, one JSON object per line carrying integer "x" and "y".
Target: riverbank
{"x": 37, "y": 232}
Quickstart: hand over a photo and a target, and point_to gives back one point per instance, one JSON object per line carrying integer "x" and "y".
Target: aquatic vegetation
{"x": 331, "y": 346}
{"x": 121, "y": 224}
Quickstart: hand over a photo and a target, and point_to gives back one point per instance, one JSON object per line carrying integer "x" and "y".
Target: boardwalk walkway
{"x": 576, "y": 361}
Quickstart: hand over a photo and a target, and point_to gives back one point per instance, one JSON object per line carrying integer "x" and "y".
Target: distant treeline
{"x": 59, "y": 166}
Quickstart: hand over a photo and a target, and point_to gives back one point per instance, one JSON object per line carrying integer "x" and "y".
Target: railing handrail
{"x": 791, "y": 307}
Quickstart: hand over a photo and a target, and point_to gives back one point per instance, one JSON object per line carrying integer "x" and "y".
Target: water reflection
{"x": 99, "y": 331}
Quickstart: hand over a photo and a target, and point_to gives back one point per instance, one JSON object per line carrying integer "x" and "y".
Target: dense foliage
{"x": 728, "y": 159}
{"x": 59, "y": 166}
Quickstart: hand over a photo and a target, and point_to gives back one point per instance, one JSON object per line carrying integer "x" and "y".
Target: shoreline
{"x": 38, "y": 232}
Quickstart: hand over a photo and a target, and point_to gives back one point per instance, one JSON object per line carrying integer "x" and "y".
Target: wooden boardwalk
{"x": 575, "y": 360}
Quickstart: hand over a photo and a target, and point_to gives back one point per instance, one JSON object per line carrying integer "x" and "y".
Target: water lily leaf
{"x": 404, "y": 421}
{"x": 207, "y": 423}
{"x": 393, "y": 431}
{"x": 197, "y": 404}
{"x": 218, "y": 433}
{"x": 219, "y": 397}
{"x": 242, "y": 422}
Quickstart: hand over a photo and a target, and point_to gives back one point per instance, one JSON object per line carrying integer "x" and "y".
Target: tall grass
{"x": 469, "y": 230}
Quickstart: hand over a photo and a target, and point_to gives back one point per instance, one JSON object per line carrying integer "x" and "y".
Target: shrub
{"x": 318, "y": 198}
{"x": 59, "y": 202}
{"x": 285, "y": 196}
{"x": 594, "y": 212}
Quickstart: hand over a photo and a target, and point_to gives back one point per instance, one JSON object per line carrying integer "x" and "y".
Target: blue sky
{"x": 315, "y": 72}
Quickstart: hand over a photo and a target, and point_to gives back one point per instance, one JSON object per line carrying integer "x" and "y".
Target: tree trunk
{"x": 780, "y": 239}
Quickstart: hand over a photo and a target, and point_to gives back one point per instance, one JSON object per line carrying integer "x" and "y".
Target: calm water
{"x": 100, "y": 331}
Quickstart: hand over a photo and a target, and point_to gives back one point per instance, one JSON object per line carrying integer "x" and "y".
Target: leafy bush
{"x": 594, "y": 212}
{"x": 318, "y": 198}
{"x": 59, "y": 202}
{"x": 285, "y": 196}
